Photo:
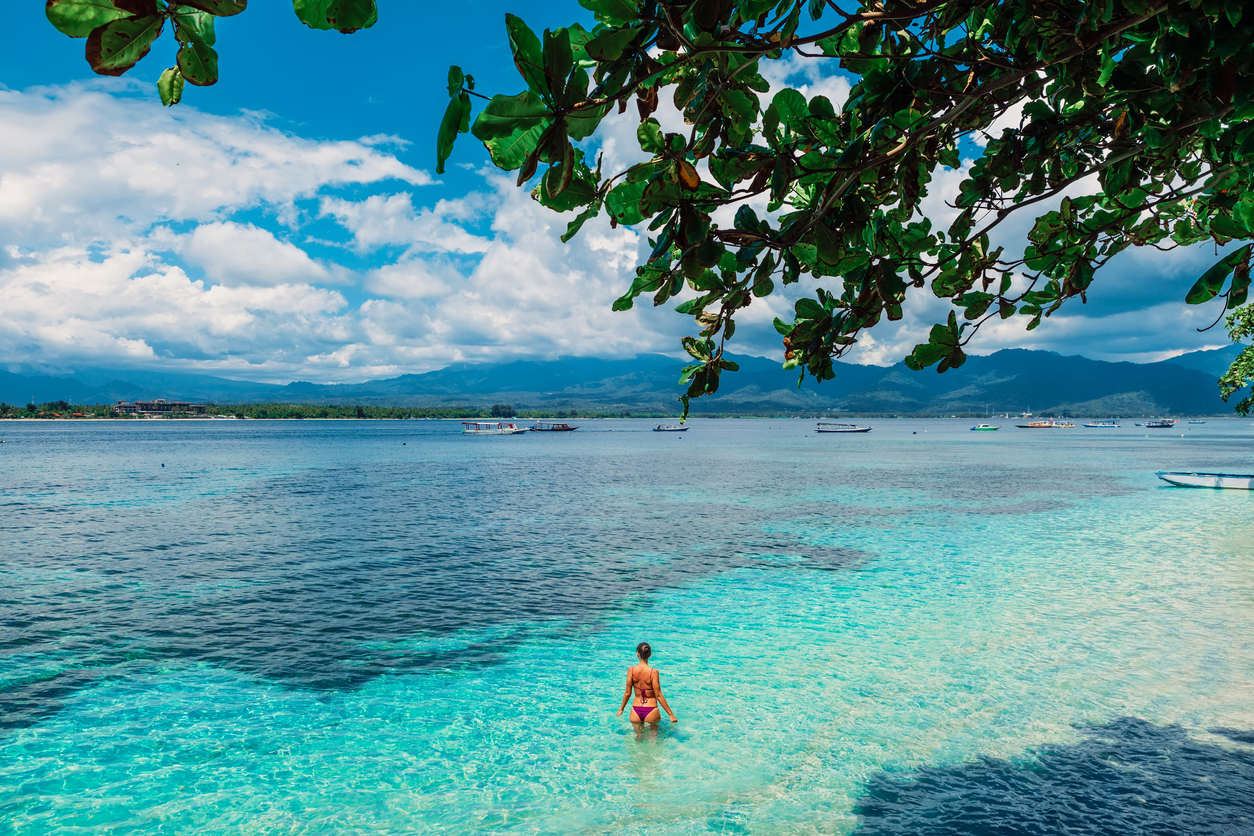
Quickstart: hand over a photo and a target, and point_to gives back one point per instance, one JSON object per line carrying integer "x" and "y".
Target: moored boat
{"x": 1234, "y": 481}
{"x": 984, "y": 428}
{"x": 1048, "y": 424}
{"x": 670, "y": 428}
{"x": 1102, "y": 425}
{"x": 832, "y": 427}
{"x": 1195, "y": 421}
{"x": 491, "y": 428}
{"x": 552, "y": 427}
{"x": 1158, "y": 425}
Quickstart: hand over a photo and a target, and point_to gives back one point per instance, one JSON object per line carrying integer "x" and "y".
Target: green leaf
{"x": 77, "y": 18}
{"x": 792, "y": 107}
{"x": 808, "y": 308}
{"x": 456, "y": 120}
{"x": 456, "y": 79}
{"x": 579, "y": 39}
{"x": 649, "y": 135}
{"x": 1212, "y": 281}
{"x": 613, "y": 12}
{"x": 528, "y": 57}
{"x": 198, "y": 64}
{"x": 1226, "y": 227}
{"x": 507, "y": 115}
{"x": 579, "y": 190}
{"x": 345, "y": 16}
{"x": 170, "y": 87}
{"x": 195, "y": 26}
{"x": 925, "y": 355}
{"x": 611, "y": 44}
{"x": 218, "y": 8}
{"x": 115, "y": 47}
{"x": 580, "y": 124}
{"x": 623, "y": 203}
{"x": 698, "y": 349}
{"x": 559, "y": 60}
{"x": 648, "y": 279}
{"x": 511, "y": 152}
{"x": 952, "y": 360}
{"x": 583, "y": 217}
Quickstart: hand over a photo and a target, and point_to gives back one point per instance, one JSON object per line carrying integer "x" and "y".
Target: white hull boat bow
{"x": 491, "y": 428}
{"x": 1234, "y": 481}
{"x": 829, "y": 427}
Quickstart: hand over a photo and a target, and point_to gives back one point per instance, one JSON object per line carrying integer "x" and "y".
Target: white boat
{"x": 491, "y": 428}
{"x": 670, "y": 428}
{"x": 1195, "y": 421}
{"x": 983, "y": 428}
{"x": 1047, "y": 424}
{"x": 1235, "y": 481}
{"x": 830, "y": 427}
{"x": 1102, "y": 425}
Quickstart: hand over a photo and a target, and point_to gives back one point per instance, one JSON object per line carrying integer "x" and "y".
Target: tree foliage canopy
{"x": 1152, "y": 98}
{"x": 120, "y": 33}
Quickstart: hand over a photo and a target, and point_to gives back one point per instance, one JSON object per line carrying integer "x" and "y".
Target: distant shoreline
{"x": 210, "y": 419}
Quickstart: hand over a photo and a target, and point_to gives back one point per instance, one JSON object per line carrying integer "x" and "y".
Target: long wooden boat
{"x": 1102, "y": 425}
{"x": 1049, "y": 424}
{"x": 1234, "y": 481}
{"x": 832, "y": 427}
{"x": 552, "y": 427}
{"x": 491, "y": 428}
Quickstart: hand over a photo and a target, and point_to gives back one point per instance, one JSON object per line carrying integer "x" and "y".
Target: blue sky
{"x": 287, "y": 223}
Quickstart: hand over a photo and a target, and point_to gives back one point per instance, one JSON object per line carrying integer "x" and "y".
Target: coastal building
{"x": 160, "y": 408}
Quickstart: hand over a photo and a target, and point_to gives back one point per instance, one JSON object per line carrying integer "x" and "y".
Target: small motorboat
{"x": 552, "y": 427}
{"x": 831, "y": 427}
{"x": 491, "y": 428}
{"x": 1234, "y": 481}
{"x": 984, "y": 428}
{"x": 1102, "y": 425}
{"x": 1195, "y": 421}
{"x": 670, "y": 428}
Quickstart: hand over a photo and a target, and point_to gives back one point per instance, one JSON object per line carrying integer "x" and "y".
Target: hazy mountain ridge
{"x": 1011, "y": 380}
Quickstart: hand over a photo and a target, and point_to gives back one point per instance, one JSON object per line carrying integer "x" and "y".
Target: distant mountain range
{"x": 1014, "y": 380}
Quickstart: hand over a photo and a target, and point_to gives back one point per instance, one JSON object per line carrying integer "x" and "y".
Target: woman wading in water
{"x": 647, "y": 684}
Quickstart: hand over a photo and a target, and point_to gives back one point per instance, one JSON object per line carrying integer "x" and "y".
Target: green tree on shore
{"x": 1151, "y": 98}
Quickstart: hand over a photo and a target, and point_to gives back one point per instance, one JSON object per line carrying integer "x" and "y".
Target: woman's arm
{"x": 626, "y": 696}
{"x": 661, "y": 700}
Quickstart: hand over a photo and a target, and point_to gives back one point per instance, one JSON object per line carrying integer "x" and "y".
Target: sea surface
{"x": 369, "y": 627}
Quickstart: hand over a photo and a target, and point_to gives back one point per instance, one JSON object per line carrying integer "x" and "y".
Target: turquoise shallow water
{"x": 359, "y": 627}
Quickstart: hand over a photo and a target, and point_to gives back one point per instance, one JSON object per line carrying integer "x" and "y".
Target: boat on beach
{"x": 832, "y": 427}
{"x": 491, "y": 428}
{"x": 984, "y": 428}
{"x": 670, "y": 428}
{"x": 1234, "y": 481}
{"x": 1047, "y": 424}
{"x": 552, "y": 427}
